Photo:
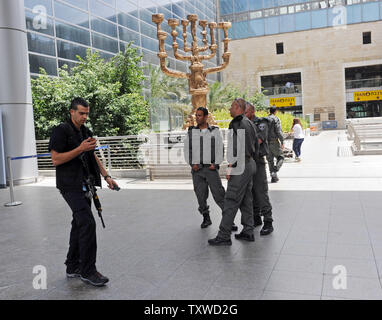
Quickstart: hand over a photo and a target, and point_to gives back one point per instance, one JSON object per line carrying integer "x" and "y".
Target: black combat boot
{"x": 267, "y": 228}
{"x": 220, "y": 242}
{"x": 257, "y": 221}
{"x": 244, "y": 236}
{"x": 206, "y": 221}
{"x": 274, "y": 177}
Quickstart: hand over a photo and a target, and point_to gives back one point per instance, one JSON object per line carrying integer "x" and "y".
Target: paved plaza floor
{"x": 328, "y": 224}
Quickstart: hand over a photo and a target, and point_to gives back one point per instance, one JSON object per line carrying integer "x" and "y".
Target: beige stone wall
{"x": 319, "y": 54}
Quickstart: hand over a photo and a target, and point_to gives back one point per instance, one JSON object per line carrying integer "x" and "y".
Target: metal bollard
{"x": 13, "y": 203}
{"x": 109, "y": 158}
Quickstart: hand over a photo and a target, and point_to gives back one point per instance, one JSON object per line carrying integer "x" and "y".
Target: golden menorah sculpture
{"x": 198, "y": 86}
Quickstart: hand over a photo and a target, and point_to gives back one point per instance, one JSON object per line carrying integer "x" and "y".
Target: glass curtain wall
{"x": 254, "y": 18}
{"x": 59, "y": 30}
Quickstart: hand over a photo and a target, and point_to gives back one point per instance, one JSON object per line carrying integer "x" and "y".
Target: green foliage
{"x": 112, "y": 88}
{"x": 221, "y": 96}
{"x": 285, "y": 118}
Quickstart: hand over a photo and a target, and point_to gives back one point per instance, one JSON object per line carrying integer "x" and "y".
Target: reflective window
{"x": 167, "y": 14}
{"x": 104, "y": 55}
{"x": 104, "y": 43}
{"x": 148, "y": 30}
{"x": 69, "y": 51}
{"x": 270, "y": 3}
{"x": 255, "y": 5}
{"x": 49, "y": 64}
{"x": 150, "y": 57}
{"x": 72, "y": 33}
{"x": 256, "y": 27}
{"x": 110, "y": 2}
{"x": 241, "y": 29}
{"x": 70, "y": 64}
{"x": 41, "y": 44}
{"x": 149, "y": 43}
{"x": 240, "y": 5}
{"x": 124, "y": 45}
{"x": 102, "y": 10}
{"x": 226, "y": 6}
{"x": 370, "y": 11}
{"x": 34, "y": 23}
{"x": 128, "y": 21}
{"x": 71, "y": 15}
{"x": 303, "y": 21}
{"x": 47, "y": 4}
{"x": 127, "y": 35}
{"x": 319, "y": 19}
{"x": 128, "y": 7}
{"x": 147, "y": 4}
{"x": 287, "y": 23}
{"x": 179, "y": 11}
{"x": 103, "y": 26}
{"x": 146, "y": 16}
{"x": 354, "y": 13}
{"x": 83, "y": 4}
{"x": 272, "y": 25}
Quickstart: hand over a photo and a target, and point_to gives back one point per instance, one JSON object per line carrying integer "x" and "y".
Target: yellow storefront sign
{"x": 282, "y": 102}
{"x": 368, "y": 95}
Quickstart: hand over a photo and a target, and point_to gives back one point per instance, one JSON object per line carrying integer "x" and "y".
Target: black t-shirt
{"x": 70, "y": 175}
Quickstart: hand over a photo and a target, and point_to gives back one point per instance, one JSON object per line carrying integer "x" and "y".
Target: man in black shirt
{"x": 242, "y": 150}
{"x": 72, "y": 149}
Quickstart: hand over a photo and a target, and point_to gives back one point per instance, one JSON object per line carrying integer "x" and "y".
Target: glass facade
{"x": 254, "y": 18}
{"x": 59, "y": 30}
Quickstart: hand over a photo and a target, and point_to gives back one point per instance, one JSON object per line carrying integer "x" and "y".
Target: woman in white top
{"x": 298, "y": 135}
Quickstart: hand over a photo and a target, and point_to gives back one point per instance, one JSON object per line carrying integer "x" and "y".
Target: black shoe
{"x": 257, "y": 221}
{"x": 234, "y": 227}
{"x": 206, "y": 221}
{"x": 219, "y": 242}
{"x": 274, "y": 179}
{"x": 244, "y": 236}
{"x": 267, "y": 229}
{"x": 73, "y": 273}
{"x": 95, "y": 279}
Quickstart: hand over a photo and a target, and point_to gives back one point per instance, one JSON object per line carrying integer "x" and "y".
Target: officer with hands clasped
{"x": 203, "y": 150}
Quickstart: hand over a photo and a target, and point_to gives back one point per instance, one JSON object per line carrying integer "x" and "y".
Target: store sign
{"x": 368, "y": 95}
{"x": 282, "y": 102}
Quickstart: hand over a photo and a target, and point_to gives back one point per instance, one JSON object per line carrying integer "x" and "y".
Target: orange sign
{"x": 282, "y": 102}
{"x": 368, "y": 95}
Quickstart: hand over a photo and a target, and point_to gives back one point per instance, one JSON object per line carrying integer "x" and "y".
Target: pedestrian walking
{"x": 298, "y": 138}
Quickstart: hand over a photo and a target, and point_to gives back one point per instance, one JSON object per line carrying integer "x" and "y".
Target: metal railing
{"x": 364, "y": 83}
{"x": 123, "y": 152}
{"x": 366, "y": 136}
{"x": 278, "y": 90}
{"x": 13, "y": 202}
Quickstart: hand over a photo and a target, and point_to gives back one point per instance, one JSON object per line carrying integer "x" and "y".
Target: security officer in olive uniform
{"x": 261, "y": 203}
{"x": 276, "y": 144}
{"x": 242, "y": 150}
{"x": 205, "y": 165}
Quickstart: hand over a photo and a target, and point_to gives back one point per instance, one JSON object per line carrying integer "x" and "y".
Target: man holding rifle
{"x": 78, "y": 171}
